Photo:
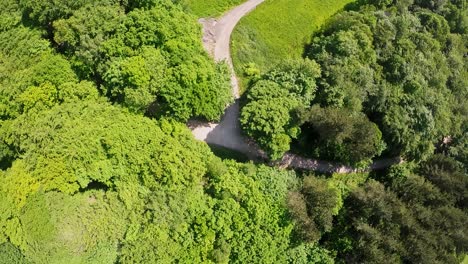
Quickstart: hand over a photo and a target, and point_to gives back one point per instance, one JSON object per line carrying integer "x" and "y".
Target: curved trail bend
{"x": 216, "y": 39}
{"x": 227, "y": 133}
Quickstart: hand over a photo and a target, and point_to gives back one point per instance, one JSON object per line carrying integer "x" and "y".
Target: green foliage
{"x": 241, "y": 220}
{"x": 313, "y": 207}
{"x": 39, "y": 97}
{"x": 135, "y": 81}
{"x": 194, "y": 90}
{"x": 309, "y": 253}
{"x": 414, "y": 220}
{"x": 250, "y": 214}
{"x": 85, "y": 181}
{"x": 173, "y": 226}
{"x": 10, "y": 14}
{"x": 75, "y": 229}
{"x": 82, "y": 35}
{"x": 90, "y": 182}
{"x": 346, "y": 57}
{"x": 251, "y": 71}
{"x": 456, "y": 14}
{"x": 46, "y": 95}
{"x": 297, "y": 77}
{"x": 379, "y": 3}
{"x": 459, "y": 150}
{"x": 44, "y": 12}
{"x": 448, "y": 175}
{"x": 114, "y": 157}
{"x": 278, "y": 30}
{"x": 345, "y": 183}
{"x": 340, "y": 135}
{"x": 400, "y": 65}
{"x": 268, "y": 115}
{"x": 397, "y": 174}
{"x": 145, "y": 55}
{"x": 150, "y": 60}
{"x": 69, "y": 92}
{"x": 28, "y": 63}
{"x": 55, "y": 227}
{"x": 93, "y": 183}
{"x": 435, "y": 24}
{"x": 10, "y": 254}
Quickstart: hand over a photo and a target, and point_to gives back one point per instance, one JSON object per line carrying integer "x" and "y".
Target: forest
{"x": 97, "y": 164}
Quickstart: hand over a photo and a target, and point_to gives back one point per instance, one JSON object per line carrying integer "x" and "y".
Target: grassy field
{"x": 210, "y": 8}
{"x": 278, "y": 30}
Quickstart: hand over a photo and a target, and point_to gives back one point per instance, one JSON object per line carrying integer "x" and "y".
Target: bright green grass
{"x": 210, "y": 8}
{"x": 278, "y": 30}
{"x": 465, "y": 260}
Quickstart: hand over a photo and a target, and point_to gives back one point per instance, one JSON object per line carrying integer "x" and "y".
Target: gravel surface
{"x": 216, "y": 39}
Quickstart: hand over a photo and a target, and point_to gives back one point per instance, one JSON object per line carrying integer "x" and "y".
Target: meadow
{"x": 278, "y": 30}
{"x": 210, "y": 8}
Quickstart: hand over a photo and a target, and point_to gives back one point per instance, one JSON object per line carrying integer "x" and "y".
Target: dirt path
{"x": 227, "y": 133}
{"x": 216, "y": 39}
{"x": 297, "y": 162}
{"x": 224, "y": 28}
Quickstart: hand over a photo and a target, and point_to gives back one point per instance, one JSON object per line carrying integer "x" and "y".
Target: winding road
{"x": 227, "y": 133}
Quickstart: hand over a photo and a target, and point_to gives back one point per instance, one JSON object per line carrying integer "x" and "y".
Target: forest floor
{"x": 227, "y": 133}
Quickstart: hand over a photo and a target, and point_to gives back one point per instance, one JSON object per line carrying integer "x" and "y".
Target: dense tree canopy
{"x": 104, "y": 184}
{"x": 267, "y": 117}
{"x": 271, "y": 103}
{"x": 145, "y": 56}
{"x": 416, "y": 219}
{"x": 96, "y": 166}
{"x": 84, "y": 180}
{"x": 402, "y": 65}
{"x": 313, "y": 207}
{"x": 393, "y": 81}
{"x": 341, "y": 135}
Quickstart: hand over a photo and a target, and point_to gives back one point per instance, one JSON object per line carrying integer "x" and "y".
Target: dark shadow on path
{"x": 228, "y": 134}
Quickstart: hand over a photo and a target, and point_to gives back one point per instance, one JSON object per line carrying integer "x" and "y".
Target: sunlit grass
{"x": 278, "y": 30}
{"x": 210, "y": 8}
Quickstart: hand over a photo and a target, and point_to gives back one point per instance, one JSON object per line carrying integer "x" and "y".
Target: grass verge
{"x": 210, "y": 8}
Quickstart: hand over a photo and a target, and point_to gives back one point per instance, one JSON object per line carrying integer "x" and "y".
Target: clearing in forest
{"x": 278, "y": 30}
